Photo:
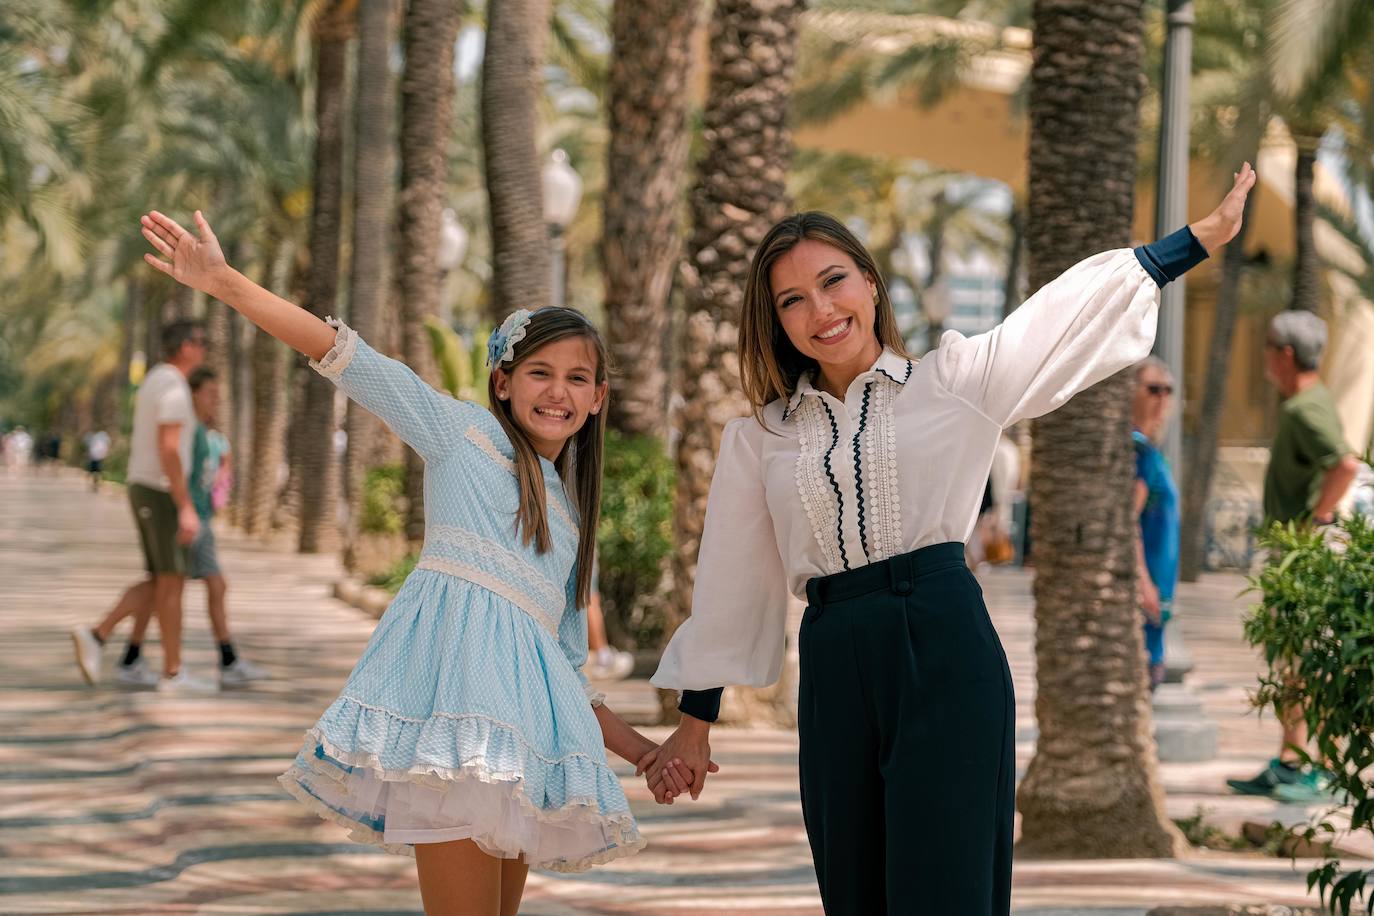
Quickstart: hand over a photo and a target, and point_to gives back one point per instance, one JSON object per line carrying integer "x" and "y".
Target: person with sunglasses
{"x": 1156, "y": 508}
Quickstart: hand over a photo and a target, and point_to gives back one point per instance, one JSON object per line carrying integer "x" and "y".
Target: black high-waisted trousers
{"x": 907, "y": 724}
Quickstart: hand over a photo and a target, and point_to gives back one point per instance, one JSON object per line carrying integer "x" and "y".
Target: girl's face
{"x": 552, "y": 392}
{"x": 825, "y": 303}
{"x": 205, "y": 399}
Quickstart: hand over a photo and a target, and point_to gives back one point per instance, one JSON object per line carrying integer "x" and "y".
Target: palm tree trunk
{"x": 134, "y": 294}
{"x": 373, "y": 198}
{"x": 511, "y": 89}
{"x": 651, "y": 68}
{"x": 1201, "y": 453}
{"x": 431, "y": 27}
{"x": 152, "y": 326}
{"x": 935, "y": 326}
{"x": 238, "y": 416}
{"x": 268, "y": 448}
{"x": 1011, "y": 287}
{"x": 740, "y": 192}
{"x": 1092, "y": 788}
{"x": 1307, "y": 268}
{"x": 319, "y": 471}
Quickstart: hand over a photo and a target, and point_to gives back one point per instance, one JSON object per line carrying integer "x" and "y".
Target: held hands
{"x": 1221, "y": 225}
{"x": 671, "y": 779}
{"x": 680, "y": 765}
{"x": 194, "y": 262}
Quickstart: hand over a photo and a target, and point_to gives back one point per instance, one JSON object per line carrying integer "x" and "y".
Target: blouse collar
{"x": 889, "y": 364}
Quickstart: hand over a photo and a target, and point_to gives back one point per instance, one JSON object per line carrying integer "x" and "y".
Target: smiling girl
{"x": 467, "y": 733}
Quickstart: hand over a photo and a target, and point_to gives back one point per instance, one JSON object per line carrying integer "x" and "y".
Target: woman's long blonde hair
{"x": 579, "y": 464}
{"x": 769, "y": 366}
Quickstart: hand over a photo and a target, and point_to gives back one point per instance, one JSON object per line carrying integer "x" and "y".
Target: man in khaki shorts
{"x": 159, "y": 461}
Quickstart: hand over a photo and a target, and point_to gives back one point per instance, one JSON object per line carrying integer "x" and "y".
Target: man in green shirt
{"x": 1310, "y": 468}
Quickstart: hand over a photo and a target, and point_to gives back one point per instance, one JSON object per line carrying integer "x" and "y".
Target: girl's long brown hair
{"x": 769, "y": 366}
{"x": 579, "y": 464}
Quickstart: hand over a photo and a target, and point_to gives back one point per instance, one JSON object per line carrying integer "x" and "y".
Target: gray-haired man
{"x": 1310, "y": 468}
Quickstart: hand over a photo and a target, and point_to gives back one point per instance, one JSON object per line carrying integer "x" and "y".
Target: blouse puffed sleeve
{"x": 422, "y": 417}
{"x": 1095, "y": 319}
{"x": 735, "y": 634}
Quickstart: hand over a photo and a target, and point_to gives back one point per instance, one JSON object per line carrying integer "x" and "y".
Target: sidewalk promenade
{"x": 116, "y": 802}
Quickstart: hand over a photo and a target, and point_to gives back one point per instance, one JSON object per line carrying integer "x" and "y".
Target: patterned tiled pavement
{"x": 136, "y": 803}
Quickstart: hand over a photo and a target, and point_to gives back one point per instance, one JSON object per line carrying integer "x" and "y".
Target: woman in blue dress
{"x": 467, "y": 733}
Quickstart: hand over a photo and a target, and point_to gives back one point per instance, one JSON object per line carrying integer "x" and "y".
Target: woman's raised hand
{"x": 196, "y": 262}
{"x": 1221, "y": 225}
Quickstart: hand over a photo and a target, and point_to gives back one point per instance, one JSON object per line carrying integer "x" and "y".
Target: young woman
{"x": 852, "y": 486}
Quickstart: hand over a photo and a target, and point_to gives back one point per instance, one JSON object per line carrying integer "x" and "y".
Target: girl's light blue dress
{"x": 468, "y": 716}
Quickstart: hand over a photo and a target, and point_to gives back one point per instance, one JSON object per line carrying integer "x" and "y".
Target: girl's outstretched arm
{"x": 198, "y": 262}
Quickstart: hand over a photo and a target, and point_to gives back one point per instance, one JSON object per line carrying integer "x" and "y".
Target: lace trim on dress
{"x": 483, "y": 442}
{"x": 333, "y": 363}
{"x": 496, "y": 584}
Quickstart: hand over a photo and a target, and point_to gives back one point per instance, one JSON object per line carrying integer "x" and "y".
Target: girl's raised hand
{"x": 196, "y": 262}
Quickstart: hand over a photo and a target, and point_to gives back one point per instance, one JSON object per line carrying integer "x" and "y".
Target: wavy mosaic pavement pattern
{"x": 118, "y": 802}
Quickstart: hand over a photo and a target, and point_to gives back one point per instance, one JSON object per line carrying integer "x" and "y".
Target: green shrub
{"x": 391, "y": 579}
{"x": 1316, "y": 628}
{"x": 635, "y": 537}
{"x": 383, "y": 510}
{"x": 116, "y": 466}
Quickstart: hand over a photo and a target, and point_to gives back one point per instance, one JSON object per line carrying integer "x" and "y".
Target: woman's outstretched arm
{"x": 199, "y": 263}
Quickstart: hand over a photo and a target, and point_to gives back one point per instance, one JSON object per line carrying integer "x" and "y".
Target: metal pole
{"x": 1182, "y": 730}
{"x": 556, "y": 263}
{"x": 1171, "y": 204}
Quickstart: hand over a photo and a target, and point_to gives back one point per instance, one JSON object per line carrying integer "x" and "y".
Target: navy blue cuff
{"x": 701, "y": 704}
{"x": 1172, "y": 256}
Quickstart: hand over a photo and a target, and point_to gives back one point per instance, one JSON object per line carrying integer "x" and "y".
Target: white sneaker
{"x": 610, "y": 665}
{"x": 138, "y": 675}
{"x": 240, "y": 673}
{"x": 87, "y": 654}
{"x": 182, "y": 682}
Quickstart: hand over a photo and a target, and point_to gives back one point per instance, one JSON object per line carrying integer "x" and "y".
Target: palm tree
{"x": 1319, "y": 55}
{"x": 431, "y": 27}
{"x": 511, "y": 89}
{"x": 740, "y": 191}
{"x": 318, "y": 471}
{"x": 651, "y": 64}
{"x": 1092, "y": 789}
{"x": 374, "y": 180}
{"x": 269, "y": 408}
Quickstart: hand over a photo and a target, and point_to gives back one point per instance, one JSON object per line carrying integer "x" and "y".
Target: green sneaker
{"x": 1269, "y": 779}
{"x": 1315, "y": 786}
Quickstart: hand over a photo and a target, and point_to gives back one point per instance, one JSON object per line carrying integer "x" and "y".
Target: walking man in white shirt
{"x": 159, "y": 462}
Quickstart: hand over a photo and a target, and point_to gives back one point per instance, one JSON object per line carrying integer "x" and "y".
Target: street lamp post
{"x": 562, "y": 194}
{"x": 1183, "y": 732}
{"x": 1171, "y": 203}
{"x": 453, "y": 244}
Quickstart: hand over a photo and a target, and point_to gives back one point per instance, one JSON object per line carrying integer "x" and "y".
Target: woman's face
{"x": 826, "y": 305}
{"x": 1154, "y": 398}
{"x": 552, "y": 392}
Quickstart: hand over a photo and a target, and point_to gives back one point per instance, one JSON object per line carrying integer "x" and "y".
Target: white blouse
{"x": 897, "y": 465}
